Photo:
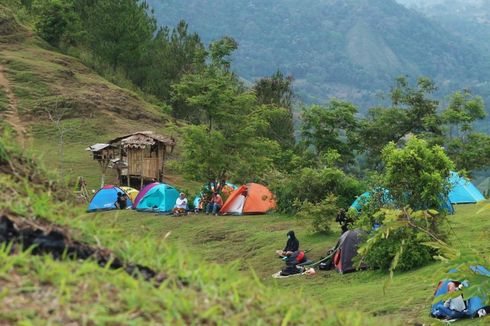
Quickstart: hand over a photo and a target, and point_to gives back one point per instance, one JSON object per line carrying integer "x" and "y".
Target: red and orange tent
{"x": 251, "y": 198}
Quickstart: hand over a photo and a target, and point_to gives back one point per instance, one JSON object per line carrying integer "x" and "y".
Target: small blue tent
{"x": 161, "y": 198}
{"x": 386, "y": 199}
{"x": 475, "y": 306}
{"x": 105, "y": 199}
{"x": 463, "y": 191}
{"x": 365, "y": 197}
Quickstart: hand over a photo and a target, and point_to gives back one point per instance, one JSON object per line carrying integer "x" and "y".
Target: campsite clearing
{"x": 250, "y": 241}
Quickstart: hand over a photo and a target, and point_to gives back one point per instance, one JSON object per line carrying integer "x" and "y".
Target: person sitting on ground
{"x": 180, "y": 205}
{"x": 292, "y": 245}
{"x": 454, "y": 308}
{"x": 214, "y": 204}
{"x": 343, "y": 220}
{"x": 457, "y": 304}
{"x": 122, "y": 201}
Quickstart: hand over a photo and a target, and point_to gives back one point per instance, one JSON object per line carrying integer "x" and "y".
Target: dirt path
{"x": 12, "y": 114}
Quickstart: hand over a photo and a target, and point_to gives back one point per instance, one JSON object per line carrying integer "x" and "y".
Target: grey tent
{"x": 346, "y": 250}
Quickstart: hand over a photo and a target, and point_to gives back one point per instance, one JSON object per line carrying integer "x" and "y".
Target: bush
{"x": 409, "y": 235}
{"x": 321, "y": 214}
{"x": 313, "y": 185}
{"x": 405, "y": 241}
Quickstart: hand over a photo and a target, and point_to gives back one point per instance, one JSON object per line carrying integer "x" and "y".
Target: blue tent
{"x": 386, "y": 199}
{"x": 161, "y": 198}
{"x": 105, "y": 199}
{"x": 463, "y": 191}
{"x": 365, "y": 197}
{"x": 475, "y": 306}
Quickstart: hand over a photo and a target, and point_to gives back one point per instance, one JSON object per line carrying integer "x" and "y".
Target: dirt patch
{"x": 11, "y": 115}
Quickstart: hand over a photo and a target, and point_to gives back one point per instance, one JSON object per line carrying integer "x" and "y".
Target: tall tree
{"x": 469, "y": 150}
{"x": 276, "y": 91}
{"x": 333, "y": 127}
{"x": 412, "y": 112}
{"x": 119, "y": 31}
{"x": 171, "y": 55}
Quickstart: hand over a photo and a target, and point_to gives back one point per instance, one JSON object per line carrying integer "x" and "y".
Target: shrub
{"x": 409, "y": 235}
{"x": 403, "y": 241}
{"x": 313, "y": 185}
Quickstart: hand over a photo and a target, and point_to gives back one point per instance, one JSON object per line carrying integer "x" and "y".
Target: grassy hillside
{"x": 38, "y": 79}
{"x": 250, "y": 242}
{"x": 40, "y": 290}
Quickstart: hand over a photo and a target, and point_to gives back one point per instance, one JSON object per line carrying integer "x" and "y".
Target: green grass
{"x": 250, "y": 241}
{"x": 39, "y": 290}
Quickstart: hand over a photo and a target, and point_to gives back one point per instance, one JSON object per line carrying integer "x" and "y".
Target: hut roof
{"x": 98, "y": 147}
{"x": 142, "y": 139}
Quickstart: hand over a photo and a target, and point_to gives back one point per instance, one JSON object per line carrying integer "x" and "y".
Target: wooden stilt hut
{"x": 139, "y": 155}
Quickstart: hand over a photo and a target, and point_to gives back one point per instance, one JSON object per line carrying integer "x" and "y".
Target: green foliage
{"x": 277, "y": 91}
{"x": 321, "y": 214}
{"x": 417, "y": 178}
{"x": 58, "y": 22}
{"x": 171, "y": 54}
{"x": 469, "y": 150}
{"x": 399, "y": 243}
{"x": 209, "y": 155}
{"x": 331, "y": 128}
{"x": 119, "y": 32}
{"x": 313, "y": 185}
{"x": 417, "y": 174}
{"x": 413, "y": 112}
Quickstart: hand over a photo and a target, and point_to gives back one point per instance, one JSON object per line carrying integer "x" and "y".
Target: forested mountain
{"x": 347, "y": 49}
{"x": 466, "y": 18}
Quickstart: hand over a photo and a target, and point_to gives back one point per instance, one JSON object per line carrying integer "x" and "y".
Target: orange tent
{"x": 251, "y": 198}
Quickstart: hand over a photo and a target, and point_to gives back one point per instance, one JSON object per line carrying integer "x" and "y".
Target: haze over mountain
{"x": 466, "y": 18}
{"x": 347, "y": 49}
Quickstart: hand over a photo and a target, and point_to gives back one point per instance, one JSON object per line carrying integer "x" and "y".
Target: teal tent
{"x": 385, "y": 197}
{"x": 463, "y": 191}
{"x": 365, "y": 197}
{"x": 160, "y": 198}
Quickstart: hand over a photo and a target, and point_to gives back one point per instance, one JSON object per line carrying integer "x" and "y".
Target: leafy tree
{"x": 119, "y": 31}
{"x": 463, "y": 110}
{"x": 421, "y": 110}
{"x": 331, "y": 128}
{"x": 57, "y": 22}
{"x": 417, "y": 174}
{"x": 210, "y": 155}
{"x": 468, "y": 149}
{"x": 471, "y": 152}
{"x": 221, "y": 50}
{"x": 412, "y": 112}
{"x": 277, "y": 91}
{"x": 409, "y": 236}
{"x": 381, "y": 126}
{"x": 171, "y": 55}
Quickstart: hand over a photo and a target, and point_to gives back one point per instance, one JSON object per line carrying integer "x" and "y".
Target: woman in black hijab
{"x": 291, "y": 246}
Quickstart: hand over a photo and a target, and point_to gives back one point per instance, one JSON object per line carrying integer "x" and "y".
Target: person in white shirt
{"x": 180, "y": 205}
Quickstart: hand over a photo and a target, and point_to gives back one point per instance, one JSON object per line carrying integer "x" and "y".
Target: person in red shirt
{"x": 214, "y": 204}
